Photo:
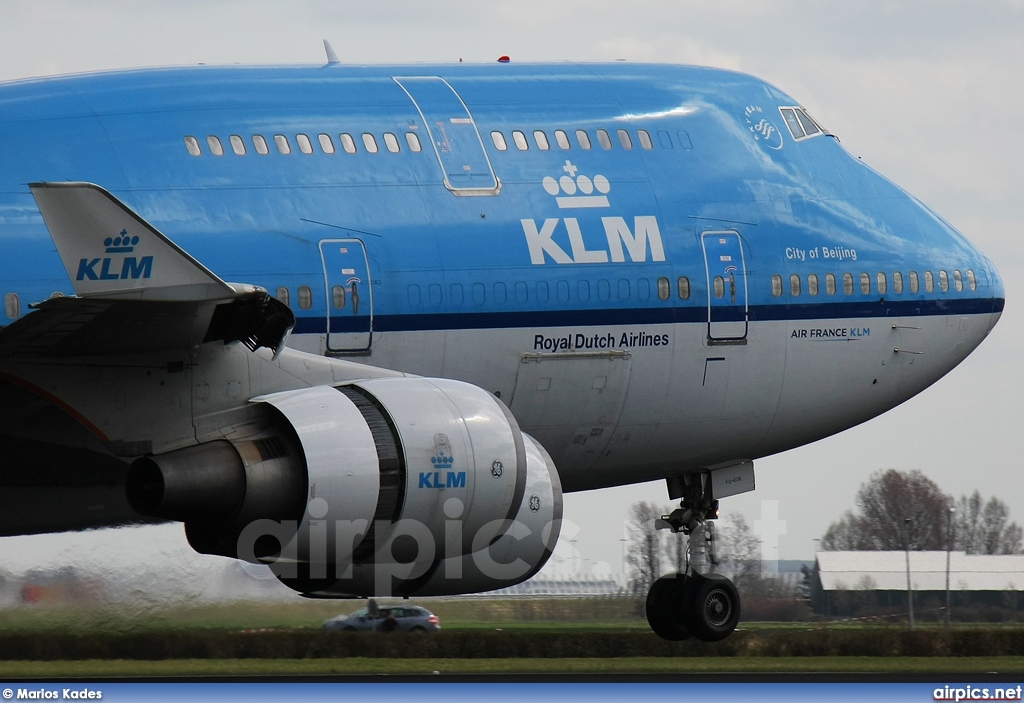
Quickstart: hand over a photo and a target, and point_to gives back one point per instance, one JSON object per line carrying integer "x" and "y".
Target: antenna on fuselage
{"x": 331, "y": 56}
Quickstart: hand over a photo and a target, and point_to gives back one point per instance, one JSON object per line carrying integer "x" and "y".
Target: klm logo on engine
{"x": 116, "y": 268}
{"x": 443, "y": 475}
{"x": 636, "y": 240}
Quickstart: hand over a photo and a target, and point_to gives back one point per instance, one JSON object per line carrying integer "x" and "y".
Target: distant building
{"x": 859, "y": 583}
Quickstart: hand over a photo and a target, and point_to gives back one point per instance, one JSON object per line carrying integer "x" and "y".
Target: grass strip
{"x": 360, "y": 666}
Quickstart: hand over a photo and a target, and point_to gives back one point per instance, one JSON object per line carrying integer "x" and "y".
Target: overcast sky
{"x": 929, "y": 92}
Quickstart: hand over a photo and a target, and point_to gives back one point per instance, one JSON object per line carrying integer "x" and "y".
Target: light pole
{"x": 910, "y": 592}
{"x": 949, "y": 551}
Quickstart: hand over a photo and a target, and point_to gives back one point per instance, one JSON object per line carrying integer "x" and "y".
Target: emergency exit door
{"x": 349, "y": 295}
{"x": 727, "y": 286}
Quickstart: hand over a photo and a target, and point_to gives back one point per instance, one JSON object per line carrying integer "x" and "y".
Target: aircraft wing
{"x": 136, "y": 291}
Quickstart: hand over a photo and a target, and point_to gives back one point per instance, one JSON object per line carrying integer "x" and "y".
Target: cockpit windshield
{"x": 801, "y": 124}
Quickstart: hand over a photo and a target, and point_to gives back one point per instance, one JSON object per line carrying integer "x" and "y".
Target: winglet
{"x": 331, "y": 56}
{"x": 111, "y": 252}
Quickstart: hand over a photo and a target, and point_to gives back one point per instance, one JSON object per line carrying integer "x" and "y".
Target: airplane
{"x": 367, "y": 324}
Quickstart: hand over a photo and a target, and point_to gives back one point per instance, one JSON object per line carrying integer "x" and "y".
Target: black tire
{"x": 713, "y": 607}
{"x": 665, "y": 606}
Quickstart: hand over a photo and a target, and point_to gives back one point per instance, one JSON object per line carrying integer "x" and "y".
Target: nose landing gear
{"x": 694, "y": 603}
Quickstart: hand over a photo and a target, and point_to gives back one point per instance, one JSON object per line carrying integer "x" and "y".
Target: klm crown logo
{"x": 577, "y": 191}
{"x": 442, "y": 461}
{"x": 121, "y": 244}
{"x": 442, "y": 476}
{"x": 116, "y": 269}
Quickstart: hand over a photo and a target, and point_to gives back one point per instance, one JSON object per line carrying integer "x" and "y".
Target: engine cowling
{"x": 396, "y": 486}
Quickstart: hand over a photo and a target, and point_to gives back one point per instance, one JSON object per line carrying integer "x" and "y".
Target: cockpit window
{"x": 801, "y": 124}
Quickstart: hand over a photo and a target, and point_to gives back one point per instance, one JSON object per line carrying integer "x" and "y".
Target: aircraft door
{"x": 454, "y": 135}
{"x": 349, "y": 295}
{"x": 726, "y": 271}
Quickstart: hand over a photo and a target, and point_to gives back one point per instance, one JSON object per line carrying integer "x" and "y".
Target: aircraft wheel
{"x": 713, "y": 609}
{"x": 666, "y": 603}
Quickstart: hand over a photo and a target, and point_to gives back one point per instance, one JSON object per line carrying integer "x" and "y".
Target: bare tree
{"x": 741, "y": 552}
{"x": 984, "y": 527}
{"x": 643, "y": 558}
{"x": 884, "y": 504}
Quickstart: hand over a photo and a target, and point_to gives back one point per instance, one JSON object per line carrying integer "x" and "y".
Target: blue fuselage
{"x": 470, "y": 221}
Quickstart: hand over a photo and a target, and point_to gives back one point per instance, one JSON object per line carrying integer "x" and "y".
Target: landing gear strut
{"x": 694, "y": 603}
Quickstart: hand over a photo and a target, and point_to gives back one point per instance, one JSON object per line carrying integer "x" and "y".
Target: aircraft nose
{"x": 998, "y": 294}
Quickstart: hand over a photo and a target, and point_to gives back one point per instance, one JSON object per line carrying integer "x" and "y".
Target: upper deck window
{"x": 413, "y": 141}
{"x": 624, "y": 139}
{"x": 645, "y": 139}
{"x": 282, "y": 144}
{"x": 326, "y": 143}
{"x": 562, "y": 139}
{"x": 391, "y": 142}
{"x": 192, "y": 144}
{"x": 499, "y": 141}
{"x": 801, "y": 125}
{"x": 583, "y": 138}
{"x": 260, "y": 144}
{"x": 369, "y": 143}
{"x": 305, "y": 146}
{"x": 215, "y": 146}
{"x": 237, "y": 145}
{"x": 603, "y": 139}
{"x": 541, "y": 139}
{"x": 520, "y": 139}
{"x": 347, "y": 142}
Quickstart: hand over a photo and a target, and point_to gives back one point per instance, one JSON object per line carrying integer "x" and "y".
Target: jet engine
{"x": 394, "y": 486}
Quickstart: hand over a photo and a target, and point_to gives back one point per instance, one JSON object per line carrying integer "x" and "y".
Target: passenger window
{"x": 413, "y": 140}
{"x": 848, "y": 283}
{"x": 915, "y": 284}
{"x": 542, "y": 291}
{"x": 326, "y": 143}
{"x": 882, "y": 282}
{"x": 603, "y": 139}
{"x": 624, "y": 288}
{"x": 718, "y": 286}
{"x": 865, "y": 283}
{"x": 12, "y": 306}
{"x": 794, "y": 285}
{"x": 237, "y": 145}
{"x": 281, "y": 142}
{"x": 562, "y": 139}
{"x": 216, "y": 148}
{"x": 260, "y": 144}
{"x": 665, "y": 139}
{"x": 347, "y": 143}
{"x": 645, "y": 139}
{"x": 305, "y": 146}
{"x": 499, "y": 141}
{"x": 624, "y": 139}
{"x": 777, "y": 285}
{"x": 338, "y": 297}
{"x": 391, "y": 142}
{"x": 684, "y": 288}
{"x": 972, "y": 280}
{"x": 520, "y": 140}
{"x": 192, "y": 144}
{"x": 943, "y": 281}
{"x": 830, "y": 283}
{"x": 283, "y": 295}
{"x": 812, "y": 284}
{"x": 958, "y": 280}
{"x": 604, "y": 290}
{"x": 305, "y": 297}
{"x": 583, "y": 138}
{"x": 663, "y": 292}
{"x": 929, "y": 282}
{"x": 541, "y": 139}
{"x": 370, "y": 143}
{"x": 897, "y": 282}
{"x": 583, "y": 290}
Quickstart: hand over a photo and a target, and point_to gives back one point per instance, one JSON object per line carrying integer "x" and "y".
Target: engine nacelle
{"x": 397, "y": 486}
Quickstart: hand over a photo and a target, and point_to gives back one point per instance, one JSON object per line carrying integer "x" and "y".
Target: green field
{"x": 504, "y": 637}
